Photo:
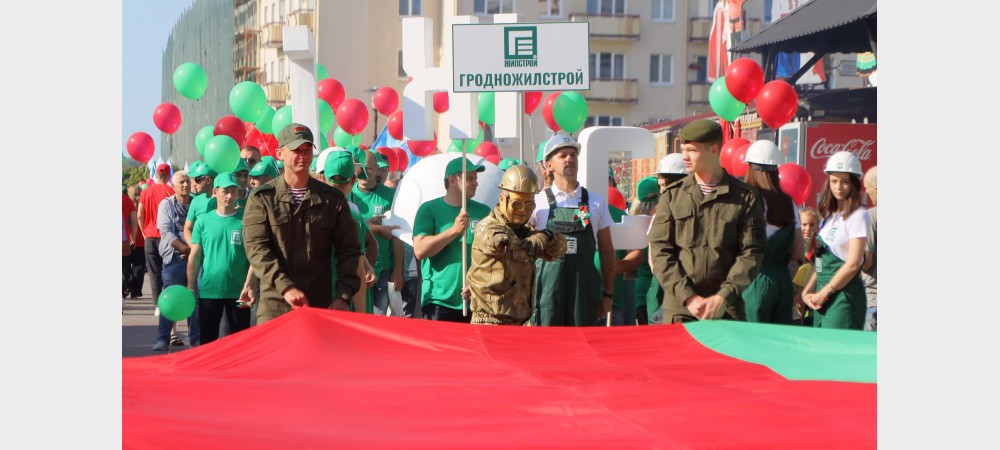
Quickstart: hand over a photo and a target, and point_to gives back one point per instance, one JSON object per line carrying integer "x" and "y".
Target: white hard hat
{"x": 321, "y": 159}
{"x": 844, "y": 162}
{"x": 764, "y": 152}
{"x": 558, "y": 141}
{"x": 672, "y": 163}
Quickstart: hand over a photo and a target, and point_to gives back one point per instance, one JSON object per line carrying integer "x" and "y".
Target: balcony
{"x": 271, "y": 35}
{"x": 613, "y": 90}
{"x": 277, "y": 93}
{"x": 698, "y": 92}
{"x": 616, "y": 27}
{"x": 303, "y": 17}
{"x": 701, "y": 28}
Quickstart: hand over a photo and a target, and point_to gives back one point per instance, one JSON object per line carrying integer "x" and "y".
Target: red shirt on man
{"x": 150, "y": 201}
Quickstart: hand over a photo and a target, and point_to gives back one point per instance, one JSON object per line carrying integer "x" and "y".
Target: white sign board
{"x": 508, "y": 57}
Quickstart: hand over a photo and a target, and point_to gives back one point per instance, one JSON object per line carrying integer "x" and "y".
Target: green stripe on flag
{"x": 795, "y": 352}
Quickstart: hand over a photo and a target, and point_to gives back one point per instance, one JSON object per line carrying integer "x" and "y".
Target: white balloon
{"x": 425, "y": 181}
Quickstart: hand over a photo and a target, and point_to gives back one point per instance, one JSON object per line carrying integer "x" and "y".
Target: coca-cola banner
{"x": 825, "y": 139}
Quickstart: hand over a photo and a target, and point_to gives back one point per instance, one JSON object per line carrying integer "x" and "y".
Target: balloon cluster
{"x": 743, "y": 83}
{"x": 565, "y": 111}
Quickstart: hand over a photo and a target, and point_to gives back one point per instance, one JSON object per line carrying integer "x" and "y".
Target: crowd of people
{"x": 277, "y": 234}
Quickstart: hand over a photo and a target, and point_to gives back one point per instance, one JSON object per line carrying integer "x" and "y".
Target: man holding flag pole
{"x": 442, "y": 240}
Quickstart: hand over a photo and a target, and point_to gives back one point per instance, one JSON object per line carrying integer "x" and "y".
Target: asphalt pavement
{"x": 139, "y": 326}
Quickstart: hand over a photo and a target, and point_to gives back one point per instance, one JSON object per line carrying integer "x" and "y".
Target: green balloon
{"x": 176, "y": 302}
{"x": 456, "y": 146}
{"x": 487, "y": 112}
{"x": 326, "y": 116}
{"x": 541, "y": 152}
{"x": 190, "y": 80}
{"x": 321, "y": 72}
{"x": 344, "y": 139}
{"x": 222, "y": 154}
{"x": 264, "y": 122}
{"x": 723, "y": 103}
{"x": 570, "y": 111}
{"x": 247, "y": 100}
{"x": 204, "y": 134}
{"x": 281, "y": 119}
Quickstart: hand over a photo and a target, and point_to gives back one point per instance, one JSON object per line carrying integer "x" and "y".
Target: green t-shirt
{"x": 362, "y": 232}
{"x": 371, "y": 204}
{"x": 442, "y": 273}
{"x": 207, "y": 204}
{"x": 224, "y": 265}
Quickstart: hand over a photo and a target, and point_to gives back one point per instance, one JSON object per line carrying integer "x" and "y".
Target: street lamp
{"x": 372, "y": 90}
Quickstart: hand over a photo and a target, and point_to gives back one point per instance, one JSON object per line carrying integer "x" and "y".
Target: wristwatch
{"x": 345, "y": 297}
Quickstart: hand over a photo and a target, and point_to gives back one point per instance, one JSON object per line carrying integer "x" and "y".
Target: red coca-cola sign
{"x": 824, "y": 139}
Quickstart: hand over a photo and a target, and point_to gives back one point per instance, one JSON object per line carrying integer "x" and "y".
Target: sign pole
{"x": 465, "y": 249}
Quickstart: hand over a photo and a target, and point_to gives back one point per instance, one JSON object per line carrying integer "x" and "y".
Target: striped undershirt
{"x": 297, "y": 194}
{"x": 707, "y": 188}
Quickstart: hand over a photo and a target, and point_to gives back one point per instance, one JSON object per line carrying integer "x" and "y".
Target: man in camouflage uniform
{"x": 707, "y": 240}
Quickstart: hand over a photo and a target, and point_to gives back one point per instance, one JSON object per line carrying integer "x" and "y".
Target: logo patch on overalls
{"x": 570, "y": 245}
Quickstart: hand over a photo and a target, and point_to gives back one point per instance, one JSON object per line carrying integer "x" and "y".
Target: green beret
{"x": 701, "y": 130}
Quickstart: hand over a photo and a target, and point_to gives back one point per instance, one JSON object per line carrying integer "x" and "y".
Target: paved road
{"x": 139, "y": 326}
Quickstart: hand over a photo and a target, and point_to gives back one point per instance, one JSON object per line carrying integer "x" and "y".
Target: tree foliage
{"x": 134, "y": 175}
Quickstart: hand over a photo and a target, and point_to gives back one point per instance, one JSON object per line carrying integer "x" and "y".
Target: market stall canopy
{"x": 820, "y": 26}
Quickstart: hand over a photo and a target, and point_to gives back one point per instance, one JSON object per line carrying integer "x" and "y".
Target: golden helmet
{"x": 519, "y": 178}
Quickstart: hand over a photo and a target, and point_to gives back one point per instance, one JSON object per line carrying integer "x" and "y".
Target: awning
{"x": 820, "y": 26}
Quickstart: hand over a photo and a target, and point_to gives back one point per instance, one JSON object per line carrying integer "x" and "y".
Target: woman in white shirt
{"x": 843, "y": 234}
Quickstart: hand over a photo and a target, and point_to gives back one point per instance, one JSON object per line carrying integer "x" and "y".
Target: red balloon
{"x": 385, "y": 100}
{"x": 485, "y": 149}
{"x": 550, "y": 120}
{"x": 440, "y": 102}
{"x": 352, "y": 116}
{"x": 616, "y": 199}
{"x": 167, "y": 117}
{"x": 423, "y": 148}
{"x": 795, "y": 182}
{"x": 402, "y": 159}
{"x": 744, "y": 79}
{"x": 233, "y": 127}
{"x": 531, "y": 101}
{"x": 140, "y": 146}
{"x": 739, "y": 161}
{"x": 331, "y": 91}
{"x": 390, "y": 157}
{"x": 493, "y": 158}
{"x": 728, "y": 149}
{"x": 777, "y": 103}
{"x": 395, "y": 125}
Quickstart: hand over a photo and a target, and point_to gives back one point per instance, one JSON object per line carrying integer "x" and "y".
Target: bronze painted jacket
{"x": 501, "y": 277}
{"x": 706, "y": 245}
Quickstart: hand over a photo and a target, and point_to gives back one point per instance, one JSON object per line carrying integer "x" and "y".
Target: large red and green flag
{"x": 327, "y": 379}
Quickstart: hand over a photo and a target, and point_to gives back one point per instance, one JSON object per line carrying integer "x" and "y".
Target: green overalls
{"x": 844, "y": 308}
{"x": 769, "y": 297}
{"x": 568, "y": 290}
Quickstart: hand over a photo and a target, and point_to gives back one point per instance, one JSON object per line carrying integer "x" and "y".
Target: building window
{"x": 663, "y": 10}
{"x": 548, "y": 8}
{"x": 604, "y": 121}
{"x": 701, "y": 63}
{"x": 487, "y": 7}
{"x": 606, "y": 7}
{"x": 409, "y": 7}
{"x": 661, "y": 69}
{"x": 400, "y": 73}
{"x": 282, "y": 12}
{"x": 607, "y": 65}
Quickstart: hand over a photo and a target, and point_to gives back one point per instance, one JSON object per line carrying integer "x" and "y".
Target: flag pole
{"x": 465, "y": 250}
